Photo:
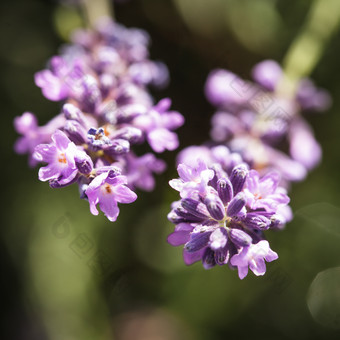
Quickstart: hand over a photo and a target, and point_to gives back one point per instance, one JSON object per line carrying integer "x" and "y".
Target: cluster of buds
{"x": 224, "y": 210}
{"x": 101, "y": 80}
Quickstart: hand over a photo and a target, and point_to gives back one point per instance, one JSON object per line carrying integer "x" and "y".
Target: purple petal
{"x": 178, "y": 238}
{"x": 240, "y": 259}
{"x": 61, "y": 140}
{"x": 258, "y": 267}
{"x": 163, "y": 105}
{"x": 269, "y": 183}
{"x": 21, "y": 145}
{"x": 252, "y": 181}
{"x": 114, "y": 179}
{"x": 96, "y": 183}
{"x": 25, "y": 123}
{"x": 172, "y": 120}
{"x": 242, "y": 272}
{"x": 303, "y": 146}
{"x": 289, "y": 169}
{"x": 224, "y": 126}
{"x": 271, "y": 256}
{"x": 184, "y": 227}
{"x": 219, "y": 88}
{"x": 109, "y": 207}
{"x": 162, "y": 139}
{"x": 68, "y": 175}
{"x": 45, "y": 153}
{"x": 124, "y": 195}
{"x": 267, "y": 73}
{"x": 176, "y": 184}
{"x": 191, "y": 154}
{"x": 190, "y": 258}
{"x": 49, "y": 172}
{"x": 185, "y": 172}
{"x": 93, "y": 201}
{"x": 51, "y": 86}
{"x": 312, "y": 98}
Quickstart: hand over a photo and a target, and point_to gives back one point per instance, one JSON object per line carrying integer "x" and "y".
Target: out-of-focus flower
{"x": 259, "y": 121}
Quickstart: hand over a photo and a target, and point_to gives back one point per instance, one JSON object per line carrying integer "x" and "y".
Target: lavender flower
{"x": 253, "y": 257}
{"x": 101, "y": 79}
{"x": 222, "y": 214}
{"x": 265, "y": 193}
{"x": 61, "y": 158}
{"x": 107, "y": 189}
{"x": 258, "y": 121}
{"x": 32, "y": 134}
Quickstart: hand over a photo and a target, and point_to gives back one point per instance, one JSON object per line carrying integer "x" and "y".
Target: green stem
{"x": 306, "y": 50}
{"x": 95, "y": 9}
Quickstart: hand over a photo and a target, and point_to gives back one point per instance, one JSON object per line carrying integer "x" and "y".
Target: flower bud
{"x": 55, "y": 184}
{"x": 117, "y": 147}
{"x": 215, "y": 207}
{"x": 75, "y": 131}
{"x": 174, "y": 218}
{"x": 194, "y": 207}
{"x": 83, "y": 162}
{"x": 240, "y": 238}
{"x": 189, "y": 218}
{"x": 236, "y": 204}
{"x": 72, "y": 112}
{"x": 131, "y": 134}
{"x": 256, "y": 221}
{"x": 197, "y": 241}
{"x": 238, "y": 177}
{"x": 225, "y": 189}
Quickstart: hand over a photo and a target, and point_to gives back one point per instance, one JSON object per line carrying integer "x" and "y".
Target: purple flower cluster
{"x": 233, "y": 188}
{"x": 222, "y": 214}
{"x": 101, "y": 80}
{"x": 259, "y": 120}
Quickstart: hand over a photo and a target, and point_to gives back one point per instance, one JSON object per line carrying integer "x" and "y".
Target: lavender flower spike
{"x": 221, "y": 216}
{"x": 101, "y": 80}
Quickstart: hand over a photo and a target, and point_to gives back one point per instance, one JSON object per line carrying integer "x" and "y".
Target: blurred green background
{"x": 69, "y": 275}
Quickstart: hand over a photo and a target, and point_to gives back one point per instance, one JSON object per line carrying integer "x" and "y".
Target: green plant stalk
{"x": 306, "y": 50}
{"x": 95, "y": 9}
